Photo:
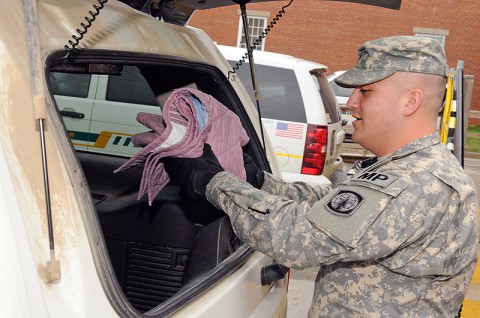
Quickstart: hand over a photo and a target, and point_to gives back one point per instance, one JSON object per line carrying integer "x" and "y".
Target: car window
{"x": 280, "y": 96}
{"x": 70, "y": 84}
{"x": 328, "y": 98}
{"x": 341, "y": 91}
{"x": 130, "y": 87}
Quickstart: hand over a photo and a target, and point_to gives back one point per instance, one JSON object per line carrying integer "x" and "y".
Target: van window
{"x": 130, "y": 87}
{"x": 328, "y": 98}
{"x": 341, "y": 91}
{"x": 280, "y": 96}
{"x": 70, "y": 84}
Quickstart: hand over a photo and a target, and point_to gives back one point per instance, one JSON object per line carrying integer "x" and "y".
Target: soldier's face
{"x": 377, "y": 110}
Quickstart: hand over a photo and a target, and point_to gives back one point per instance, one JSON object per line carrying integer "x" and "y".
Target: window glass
{"x": 341, "y": 91}
{"x": 439, "y": 37}
{"x": 130, "y": 87}
{"x": 328, "y": 98}
{"x": 256, "y": 25}
{"x": 280, "y": 96}
{"x": 70, "y": 84}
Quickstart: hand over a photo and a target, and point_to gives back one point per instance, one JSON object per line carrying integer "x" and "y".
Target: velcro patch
{"x": 344, "y": 202}
{"x": 379, "y": 179}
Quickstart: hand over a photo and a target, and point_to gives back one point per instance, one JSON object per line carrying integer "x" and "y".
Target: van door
{"x": 336, "y": 134}
{"x": 282, "y": 110}
{"x": 119, "y": 99}
{"x": 75, "y": 95}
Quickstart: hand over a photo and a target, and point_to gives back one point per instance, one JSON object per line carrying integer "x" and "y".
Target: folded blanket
{"x": 190, "y": 119}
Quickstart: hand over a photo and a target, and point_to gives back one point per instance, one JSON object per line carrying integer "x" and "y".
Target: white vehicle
{"x": 99, "y": 110}
{"x": 75, "y": 241}
{"x": 299, "y": 113}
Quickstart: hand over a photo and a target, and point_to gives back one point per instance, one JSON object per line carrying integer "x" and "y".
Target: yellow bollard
{"x": 447, "y": 109}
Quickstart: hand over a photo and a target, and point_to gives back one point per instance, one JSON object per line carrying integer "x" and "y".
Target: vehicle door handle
{"x": 73, "y": 114}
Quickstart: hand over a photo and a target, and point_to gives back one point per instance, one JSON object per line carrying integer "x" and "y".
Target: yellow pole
{"x": 447, "y": 109}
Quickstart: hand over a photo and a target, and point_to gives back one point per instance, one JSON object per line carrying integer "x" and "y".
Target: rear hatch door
{"x": 180, "y": 11}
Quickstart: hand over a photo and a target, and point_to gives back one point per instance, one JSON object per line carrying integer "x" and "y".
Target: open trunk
{"x": 165, "y": 253}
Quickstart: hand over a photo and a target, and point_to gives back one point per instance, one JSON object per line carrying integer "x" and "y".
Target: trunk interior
{"x": 156, "y": 250}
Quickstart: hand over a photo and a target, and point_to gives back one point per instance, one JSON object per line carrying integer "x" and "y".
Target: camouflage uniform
{"x": 396, "y": 240}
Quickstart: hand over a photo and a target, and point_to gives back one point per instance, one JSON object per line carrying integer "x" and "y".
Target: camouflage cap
{"x": 381, "y": 58}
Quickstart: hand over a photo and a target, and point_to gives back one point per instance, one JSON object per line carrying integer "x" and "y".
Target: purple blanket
{"x": 190, "y": 119}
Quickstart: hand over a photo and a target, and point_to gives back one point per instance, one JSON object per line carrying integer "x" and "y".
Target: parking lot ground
{"x": 300, "y": 292}
{"x": 471, "y": 305}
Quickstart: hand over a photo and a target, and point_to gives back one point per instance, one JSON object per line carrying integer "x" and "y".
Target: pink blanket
{"x": 190, "y": 119}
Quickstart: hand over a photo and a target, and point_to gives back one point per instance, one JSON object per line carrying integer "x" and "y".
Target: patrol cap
{"x": 381, "y": 58}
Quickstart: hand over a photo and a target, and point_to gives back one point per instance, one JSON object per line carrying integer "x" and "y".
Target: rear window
{"x": 341, "y": 91}
{"x": 130, "y": 87}
{"x": 280, "y": 96}
{"x": 70, "y": 84}
{"x": 328, "y": 98}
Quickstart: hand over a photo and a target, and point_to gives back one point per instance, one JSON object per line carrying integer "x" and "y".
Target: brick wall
{"x": 330, "y": 32}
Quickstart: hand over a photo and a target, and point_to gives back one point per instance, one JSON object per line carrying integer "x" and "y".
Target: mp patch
{"x": 344, "y": 202}
{"x": 379, "y": 179}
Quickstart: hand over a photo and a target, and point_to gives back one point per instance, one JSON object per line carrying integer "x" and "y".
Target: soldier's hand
{"x": 193, "y": 174}
{"x": 255, "y": 176}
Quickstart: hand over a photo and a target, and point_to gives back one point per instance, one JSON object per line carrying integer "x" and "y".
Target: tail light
{"x": 315, "y": 150}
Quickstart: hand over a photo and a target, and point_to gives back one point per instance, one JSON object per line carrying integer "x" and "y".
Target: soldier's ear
{"x": 415, "y": 99}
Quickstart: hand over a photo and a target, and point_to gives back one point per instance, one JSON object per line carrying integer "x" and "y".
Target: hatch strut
{"x": 53, "y": 272}
{"x": 251, "y": 62}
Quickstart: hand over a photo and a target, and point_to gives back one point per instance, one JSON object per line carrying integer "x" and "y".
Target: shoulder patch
{"x": 348, "y": 212}
{"x": 376, "y": 178}
{"x": 344, "y": 202}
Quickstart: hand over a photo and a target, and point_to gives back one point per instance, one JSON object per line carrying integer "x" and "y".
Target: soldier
{"x": 398, "y": 239}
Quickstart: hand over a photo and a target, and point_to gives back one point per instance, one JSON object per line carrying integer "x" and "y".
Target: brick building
{"x": 330, "y": 32}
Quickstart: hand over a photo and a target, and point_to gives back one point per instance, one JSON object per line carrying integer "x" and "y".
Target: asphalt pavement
{"x": 300, "y": 290}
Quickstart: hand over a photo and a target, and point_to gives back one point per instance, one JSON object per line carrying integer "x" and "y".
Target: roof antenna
{"x": 243, "y": 9}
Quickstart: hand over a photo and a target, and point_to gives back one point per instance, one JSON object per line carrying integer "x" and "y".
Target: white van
{"x": 75, "y": 241}
{"x": 299, "y": 112}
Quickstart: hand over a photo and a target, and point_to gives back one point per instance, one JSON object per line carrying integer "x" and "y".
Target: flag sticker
{"x": 289, "y": 130}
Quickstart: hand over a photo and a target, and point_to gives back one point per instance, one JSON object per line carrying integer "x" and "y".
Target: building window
{"x": 438, "y": 34}
{"x": 257, "y": 22}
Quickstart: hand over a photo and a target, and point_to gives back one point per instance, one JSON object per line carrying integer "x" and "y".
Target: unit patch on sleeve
{"x": 344, "y": 203}
{"x": 347, "y": 212}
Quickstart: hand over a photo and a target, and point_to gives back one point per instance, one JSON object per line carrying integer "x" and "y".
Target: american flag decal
{"x": 289, "y": 130}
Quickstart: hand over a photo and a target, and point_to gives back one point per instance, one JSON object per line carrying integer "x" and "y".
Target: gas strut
{"x": 243, "y": 9}
{"x": 53, "y": 269}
